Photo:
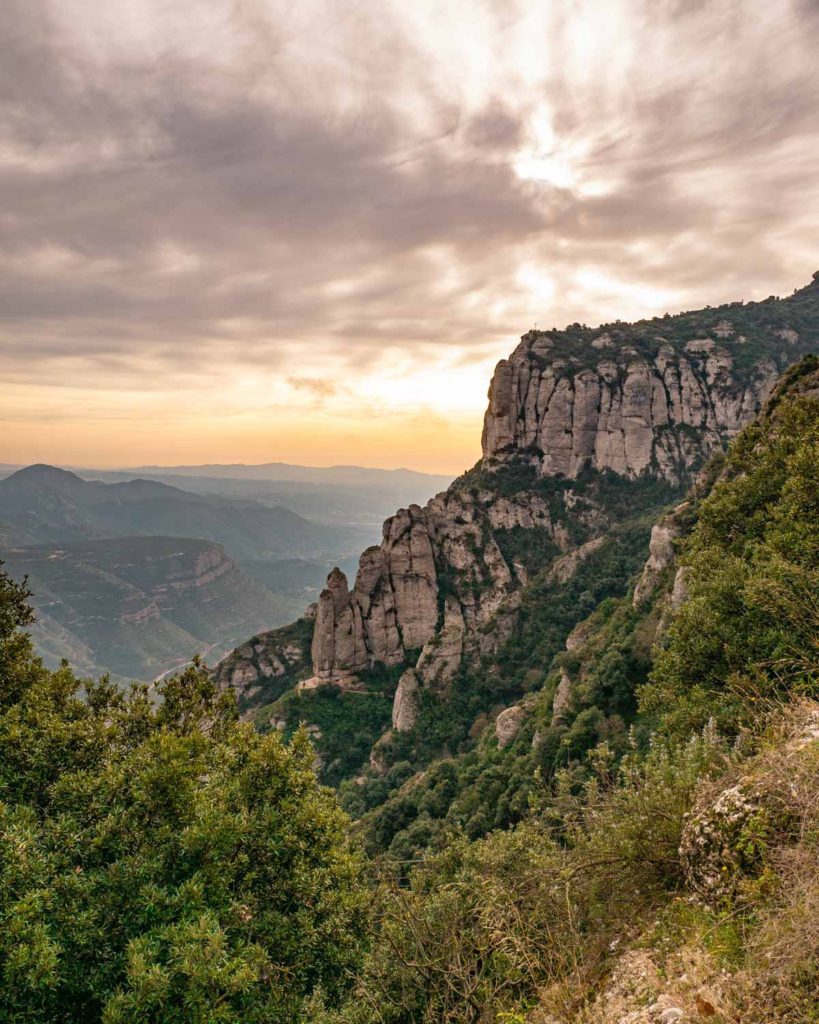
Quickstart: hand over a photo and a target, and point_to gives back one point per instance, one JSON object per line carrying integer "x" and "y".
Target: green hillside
{"x": 139, "y": 606}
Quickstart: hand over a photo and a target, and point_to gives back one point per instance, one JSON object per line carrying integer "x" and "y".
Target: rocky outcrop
{"x": 567, "y": 402}
{"x": 679, "y": 592}
{"x": 277, "y": 657}
{"x": 397, "y": 608}
{"x": 727, "y": 836}
{"x": 649, "y": 400}
{"x": 564, "y": 568}
{"x": 338, "y": 647}
{"x": 437, "y": 585}
{"x": 660, "y": 556}
{"x": 562, "y": 703}
{"x": 406, "y": 702}
{"x": 441, "y": 657}
{"x": 579, "y": 635}
{"x": 508, "y": 723}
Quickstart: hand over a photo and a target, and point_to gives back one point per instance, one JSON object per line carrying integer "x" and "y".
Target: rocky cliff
{"x": 589, "y": 437}
{"x": 648, "y": 401}
{"x": 419, "y": 597}
{"x": 597, "y": 404}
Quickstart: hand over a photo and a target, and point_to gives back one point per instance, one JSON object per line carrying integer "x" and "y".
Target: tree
{"x": 160, "y": 862}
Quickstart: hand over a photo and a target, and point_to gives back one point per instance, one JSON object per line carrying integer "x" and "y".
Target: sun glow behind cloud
{"x": 257, "y": 230}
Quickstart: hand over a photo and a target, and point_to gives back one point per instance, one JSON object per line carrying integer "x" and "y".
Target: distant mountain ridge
{"x": 111, "y": 567}
{"x": 45, "y": 505}
{"x": 290, "y": 472}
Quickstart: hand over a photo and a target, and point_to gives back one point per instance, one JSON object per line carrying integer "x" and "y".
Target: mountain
{"x": 336, "y": 496}
{"x": 139, "y": 606}
{"x": 44, "y": 504}
{"x": 590, "y": 434}
{"x": 350, "y": 476}
{"x": 95, "y": 553}
{"x": 662, "y": 865}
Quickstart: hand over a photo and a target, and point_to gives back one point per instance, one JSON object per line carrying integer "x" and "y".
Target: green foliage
{"x": 748, "y": 633}
{"x": 483, "y": 926}
{"x": 349, "y": 723}
{"x": 481, "y": 788}
{"x": 160, "y": 864}
{"x": 752, "y": 324}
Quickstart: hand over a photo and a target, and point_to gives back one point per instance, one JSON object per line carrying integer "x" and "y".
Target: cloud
{"x": 317, "y": 388}
{"x": 254, "y": 191}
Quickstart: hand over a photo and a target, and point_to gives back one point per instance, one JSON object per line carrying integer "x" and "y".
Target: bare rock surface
{"x": 623, "y": 411}
{"x": 405, "y": 703}
{"x": 268, "y": 657}
{"x": 563, "y": 699}
{"x": 660, "y": 556}
{"x": 508, "y": 723}
{"x": 565, "y": 567}
{"x": 646, "y": 402}
{"x": 679, "y": 592}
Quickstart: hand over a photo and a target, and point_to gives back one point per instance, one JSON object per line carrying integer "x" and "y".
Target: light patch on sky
{"x": 253, "y": 230}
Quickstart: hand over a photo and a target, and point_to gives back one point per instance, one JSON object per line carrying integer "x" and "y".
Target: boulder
{"x": 508, "y": 723}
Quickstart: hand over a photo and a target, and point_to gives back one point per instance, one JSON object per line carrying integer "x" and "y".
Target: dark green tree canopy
{"x": 160, "y": 862}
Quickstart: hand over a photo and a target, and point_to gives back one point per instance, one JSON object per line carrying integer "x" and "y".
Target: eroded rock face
{"x": 438, "y": 589}
{"x": 564, "y": 568}
{"x": 266, "y": 657}
{"x": 561, "y": 705}
{"x": 406, "y": 702}
{"x": 623, "y": 410}
{"x": 660, "y": 556}
{"x": 441, "y": 657}
{"x": 679, "y": 592}
{"x": 396, "y": 608}
{"x": 508, "y": 723}
{"x": 338, "y": 638}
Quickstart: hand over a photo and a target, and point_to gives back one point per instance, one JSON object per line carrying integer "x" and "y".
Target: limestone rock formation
{"x": 508, "y": 723}
{"x": 660, "y": 556}
{"x": 438, "y": 587}
{"x": 271, "y": 658}
{"x": 662, "y": 408}
{"x": 338, "y": 639}
{"x": 441, "y": 657}
{"x": 679, "y": 592}
{"x": 564, "y": 568}
{"x": 725, "y": 837}
{"x": 582, "y": 425}
{"x": 579, "y": 635}
{"x": 396, "y": 609}
{"x": 405, "y": 704}
{"x": 562, "y": 702}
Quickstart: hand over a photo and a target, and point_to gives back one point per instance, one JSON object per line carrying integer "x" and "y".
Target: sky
{"x": 306, "y": 230}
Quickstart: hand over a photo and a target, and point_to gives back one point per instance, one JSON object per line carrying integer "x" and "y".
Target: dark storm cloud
{"x": 200, "y": 202}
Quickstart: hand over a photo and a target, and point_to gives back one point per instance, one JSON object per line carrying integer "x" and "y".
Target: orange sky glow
{"x": 265, "y": 231}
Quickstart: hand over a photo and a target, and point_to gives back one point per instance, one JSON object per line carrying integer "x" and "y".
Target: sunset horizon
{"x": 228, "y": 239}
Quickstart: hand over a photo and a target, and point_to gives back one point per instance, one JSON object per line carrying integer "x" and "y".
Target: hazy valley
{"x": 134, "y": 576}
